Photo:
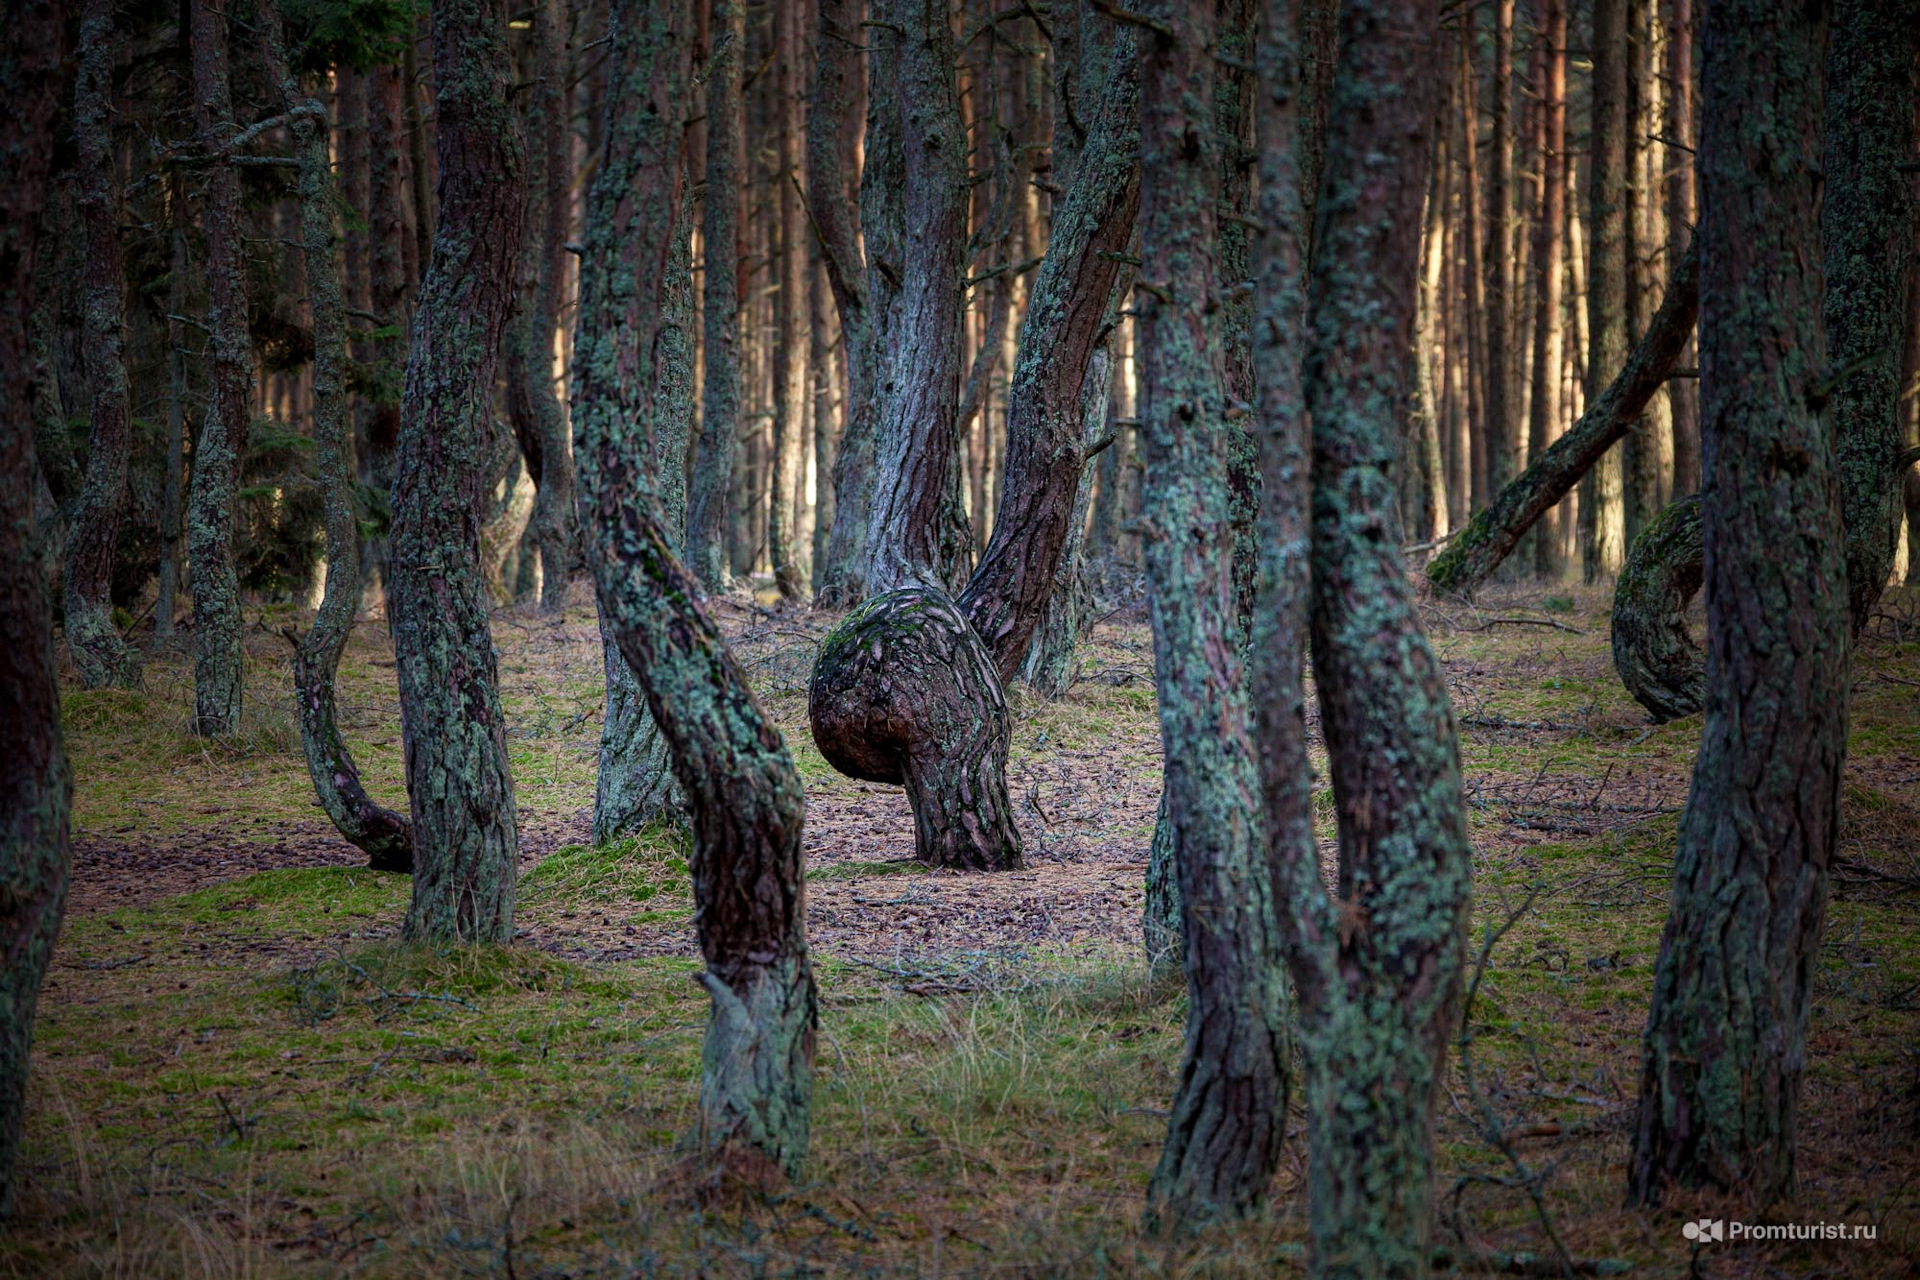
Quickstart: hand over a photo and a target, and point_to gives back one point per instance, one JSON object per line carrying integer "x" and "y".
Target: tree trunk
{"x": 1725, "y": 1044}
{"x": 1643, "y": 452}
{"x": 1653, "y": 651}
{"x": 388, "y": 278}
{"x": 1549, "y": 248}
{"x": 1228, "y": 1113}
{"x": 1378, "y": 971}
{"x": 466, "y": 829}
{"x": 1602, "y": 496}
{"x": 1503, "y": 423}
{"x": 99, "y": 653}
{"x": 36, "y": 786}
{"x": 720, "y": 319}
{"x": 1682, "y": 395}
{"x": 168, "y": 590}
{"x": 1867, "y": 239}
{"x": 533, "y": 399}
{"x": 378, "y": 832}
{"x": 1492, "y": 534}
{"x": 757, "y": 1077}
{"x": 789, "y": 303}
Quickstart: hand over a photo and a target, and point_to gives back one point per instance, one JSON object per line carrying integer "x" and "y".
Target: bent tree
{"x": 99, "y": 654}
{"x": 928, "y": 707}
{"x": 1228, "y": 1116}
{"x": 633, "y": 378}
{"x": 36, "y": 786}
{"x": 218, "y": 664}
{"x": 1725, "y": 1043}
{"x": 375, "y": 830}
{"x": 1376, "y": 965}
{"x": 466, "y": 829}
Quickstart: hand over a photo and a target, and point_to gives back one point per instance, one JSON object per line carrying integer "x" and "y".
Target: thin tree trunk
{"x": 100, "y": 655}
{"x": 378, "y": 832}
{"x": 1867, "y": 221}
{"x": 789, "y": 300}
{"x": 1474, "y": 276}
{"x": 1493, "y": 534}
{"x": 1602, "y": 496}
{"x": 218, "y": 667}
{"x": 388, "y": 278}
{"x": 465, "y": 826}
{"x": 634, "y": 379}
{"x": 1503, "y": 423}
{"x": 1683, "y": 395}
{"x": 168, "y": 592}
{"x": 36, "y": 785}
{"x": 720, "y": 232}
{"x": 1228, "y": 1114}
{"x": 1725, "y": 1044}
{"x": 1642, "y": 453}
{"x": 1549, "y": 247}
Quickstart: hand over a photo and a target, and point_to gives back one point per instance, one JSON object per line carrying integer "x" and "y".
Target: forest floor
{"x": 239, "y": 1072}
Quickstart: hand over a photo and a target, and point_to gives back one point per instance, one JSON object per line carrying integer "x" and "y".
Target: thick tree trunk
{"x": 36, "y": 786}
{"x": 1378, "y": 970}
{"x": 1725, "y": 1043}
{"x": 1602, "y": 489}
{"x": 1493, "y": 534}
{"x": 1867, "y": 221}
{"x": 533, "y": 399}
{"x": 218, "y": 665}
{"x": 99, "y": 653}
{"x": 1549, "y": 248}
{"x": 378, "y": 832}
{"x": 466, "y": 829}
{"x": 720, "y": 318}
{"x": 757, "y": 1078}
{"x": 1228, "y": 1113}
{"x": 1653, "y": 651}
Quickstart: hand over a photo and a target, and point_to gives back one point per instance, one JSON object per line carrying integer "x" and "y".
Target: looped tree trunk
{"x": 1652, "y": 650}
{"x": 904, "y": 692}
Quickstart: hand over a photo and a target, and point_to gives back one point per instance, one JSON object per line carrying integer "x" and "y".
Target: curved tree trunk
{"x": 1653, "y": 651}
{"x": 378, "y": 832}
{"x": 1725, "y": 1042}
{"x": 1378, "y": 968}
{"x": 99, "y": 653}
{"x": 533, "y": 400}
{"x": 218, "y": 665}
{"x": 720, "y": 317}
{"x": 1493, "y": 533}
{"x": 36, "y": 786}
{"x": 466, "y": 828}
{"x": 1228, "y": 1115}
{"x": 757, "y": 1078}
{"x": 1867, "y": 238}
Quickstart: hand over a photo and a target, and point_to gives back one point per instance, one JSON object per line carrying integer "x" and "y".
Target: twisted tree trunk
{"x": 218, "y": 664}
{"x": 633, "y": 381}
{"x": 36, "y": 786}
{"x": 1725, "y": 1043}
{"x": 1653, "y": 651}
{"x": 99, "y": 653}
{"x": 381, "y": 834}
{"x": 466, "y": 828}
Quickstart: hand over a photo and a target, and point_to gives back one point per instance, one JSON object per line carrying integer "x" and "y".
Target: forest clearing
{"x": 242, "y": 1074}
{"x": 928, "y": 637}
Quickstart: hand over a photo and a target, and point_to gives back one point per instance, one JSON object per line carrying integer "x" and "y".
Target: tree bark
{"x": 466, "y": 828}
{"x": 218, "y": 664}
{"x": 167, "y": 592}
{"x": 1602, "y": 495}
{"x": 757, "y": 1076}
{"x": 1549, "y": 266}
{"x": 789, "y": 303}
{"x": 720, "y": 319}
{"x": 1644, "y": 452}
{"x": 1653, "y": 651}
{"x": 100, "y": 655}
{"x": 1492, "y": 534}
{"x": 1683, "y": 396}
{"x": 36, "y": 785}
{"x": 533, "y": 399}
{"x": 381, "y": 834}
{"x": 1725, "y": 1044}
{"x": 1503, "y": 426}
{"x": 1867, "y": 221}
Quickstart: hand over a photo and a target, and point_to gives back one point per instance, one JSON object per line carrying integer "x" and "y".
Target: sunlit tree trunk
{"x": 1544, "y": 419}
{"x": 1725, "y": 1043}
{"x": 36, "y": 786}
{"x": 634, "y": 378}
{"x": 465, "y": 825}
{"x": 1602, "y": 492}
{"x": 99, "y": 654}
{"x": 1504, "y": 431}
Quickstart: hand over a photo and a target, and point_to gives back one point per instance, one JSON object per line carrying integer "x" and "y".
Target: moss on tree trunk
{"x": 1653, "y": 651}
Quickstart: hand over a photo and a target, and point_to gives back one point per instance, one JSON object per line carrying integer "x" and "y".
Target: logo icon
{"x": 1705, "y": 1229}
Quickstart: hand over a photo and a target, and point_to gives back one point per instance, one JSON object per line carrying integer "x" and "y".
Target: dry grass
{"x": 242, "y": 1074}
